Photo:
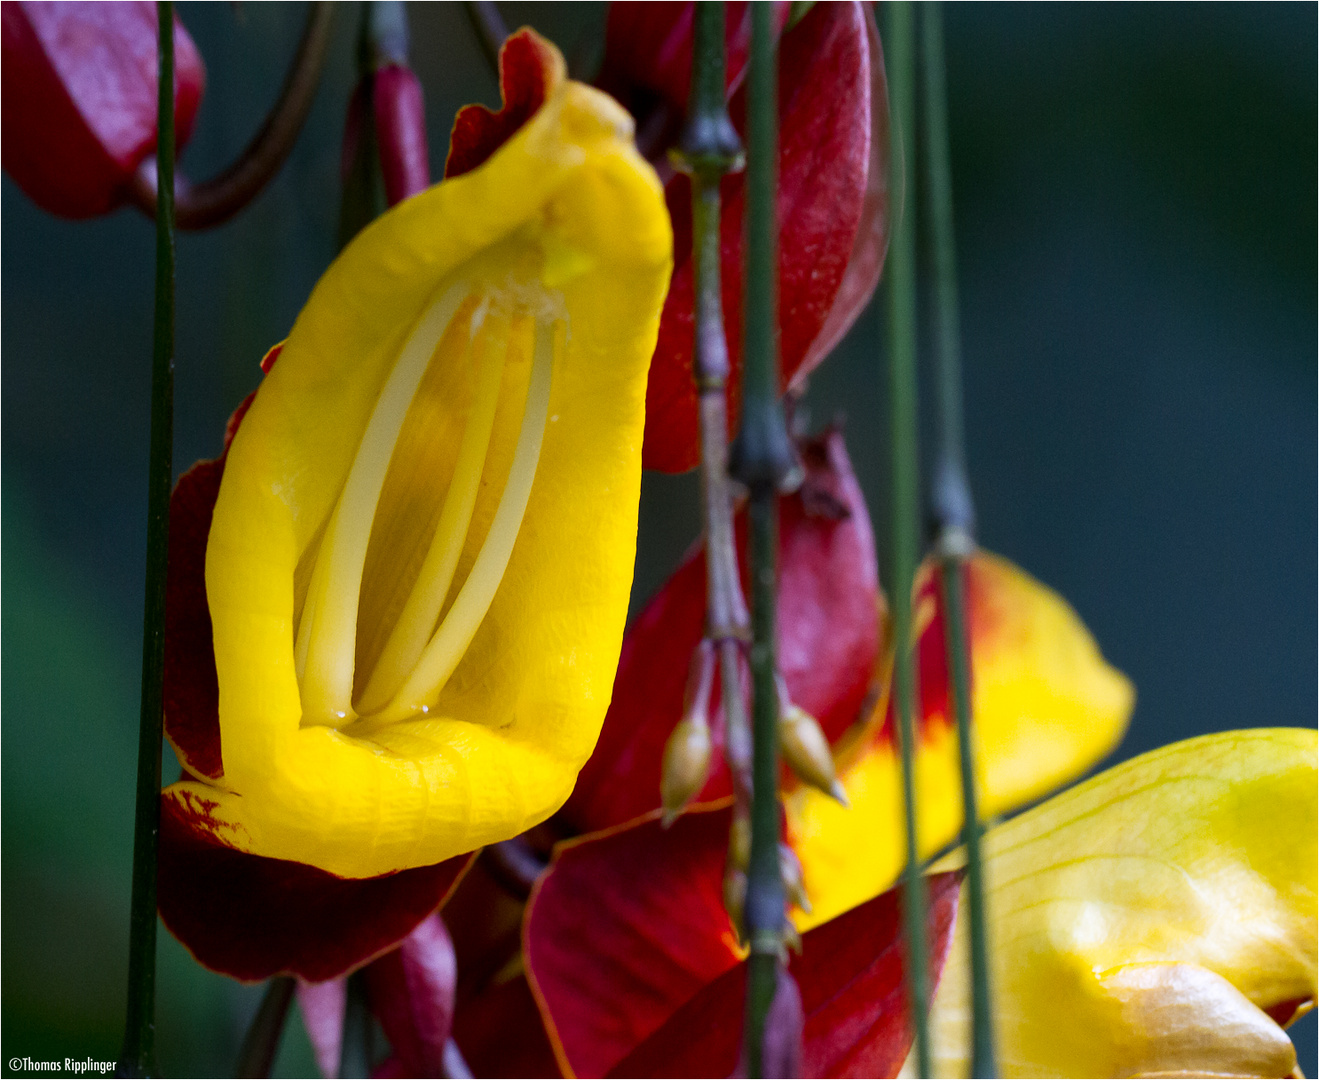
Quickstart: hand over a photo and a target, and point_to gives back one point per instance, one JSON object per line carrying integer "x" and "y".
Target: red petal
{"x": 401, "y": 129}
{"x": 78, "y": 83}
{"x": 528, "y": 70}
{"x": 501, "y": 1034}
{"x": 622, "y": 929}
{"x": 828, "y": 642}
{"x": 411, "y": 991}
{"x": 824, "y": 155}
{"x": 648, "y": 53}
{"x": 850, "y": 973}
{"x": 871, "y": 244}
{"x": 191, "y": 693}
{"x": 252, "y": 917}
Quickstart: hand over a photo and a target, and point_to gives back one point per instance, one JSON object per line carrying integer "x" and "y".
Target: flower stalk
{"x": 138, "y": 1057}
{"x": 261, "y": 1043}
{"x": 490, "y": 29}
{"x": 900, "y": 297}
{"x": 708, "y": 150}
{"x": 213, "y": 202}
{"x": 952, "y": 509}
{"x": 763, "y": 460}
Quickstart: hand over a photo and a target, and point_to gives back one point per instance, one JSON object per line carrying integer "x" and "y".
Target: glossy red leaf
{"x": 824, "y": 158}
{"x": 828, "y": 620}
{"x": 623, "y": 928}
{"x": 529, "y": 68}
{"x": 252, "y": 917}
{"x": 850, "y": 975}
{"x": 78, "y": 83}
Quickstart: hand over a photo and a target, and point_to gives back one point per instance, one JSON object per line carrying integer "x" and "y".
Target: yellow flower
{"x": 1046, "y": 707}
{"x": 420, "y": 558}
{"x": 1149, "y": 921}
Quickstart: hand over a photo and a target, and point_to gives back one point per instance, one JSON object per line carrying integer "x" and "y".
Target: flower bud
{"x": 794, "y": 885}
{"x": 806, "y": 750}
{"x": 78, "y": 82}
{"x": 686, "y": 763}
{"x": 687, "y": 753}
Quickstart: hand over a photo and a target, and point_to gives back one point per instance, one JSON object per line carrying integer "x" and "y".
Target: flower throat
{"x": 423, "y": 641}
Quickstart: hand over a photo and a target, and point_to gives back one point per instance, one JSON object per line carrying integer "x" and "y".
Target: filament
{"x": 416, "y": 624}
{"x": 450, "y": 641}
{"x": 328, "y": 632}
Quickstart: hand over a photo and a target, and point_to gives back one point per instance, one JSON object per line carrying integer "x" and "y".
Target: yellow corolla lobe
{"x": 1046, "y": 707}
{"x": 1141, "y": 923}
{"x": 420, "y": 557}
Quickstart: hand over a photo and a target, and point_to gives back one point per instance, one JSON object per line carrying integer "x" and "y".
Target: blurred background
{"x": 1136, "y": 220}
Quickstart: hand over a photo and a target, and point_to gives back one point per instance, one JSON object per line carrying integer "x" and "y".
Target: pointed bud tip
{"x": 840, "y": 794}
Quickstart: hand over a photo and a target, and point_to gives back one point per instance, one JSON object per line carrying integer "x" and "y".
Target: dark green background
{"x": 1136, "y": 213}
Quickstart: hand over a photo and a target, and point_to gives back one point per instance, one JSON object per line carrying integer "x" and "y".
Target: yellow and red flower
{"x": 418, "y": 545}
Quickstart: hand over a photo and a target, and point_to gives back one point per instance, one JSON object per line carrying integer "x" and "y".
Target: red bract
{"x": 240, "y": 914}
{"x": 833, "y": 199}
{"x": 828, "y": 618}
{"x": 79, "y": 87}
{"x": 638, "y": 972}
{"x": 853, "y": 997}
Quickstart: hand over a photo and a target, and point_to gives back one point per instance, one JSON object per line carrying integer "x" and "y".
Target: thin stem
{"x": 356, "y": 1050}
{"x": 490, "y": 29}
{"x": 901, "y": 303}
{"x": 763, "y": 459}
{"x": 954, "y": 514}
{"x": 214, "y": 201}
{"x": 709, "y": 149}
{"x": 138, "y": 1057}
{"x": 261, "y": 1043}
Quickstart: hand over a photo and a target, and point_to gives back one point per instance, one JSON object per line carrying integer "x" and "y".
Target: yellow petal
{"x": 556, "y": 255}
{"x": 1141, "y": 922}
{"x": 1046, "y": 707}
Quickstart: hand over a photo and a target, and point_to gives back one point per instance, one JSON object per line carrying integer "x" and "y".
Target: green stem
{"x": 708, "y": 150}
{"x": 261, "y": 1043}
{"x": 901, "y": 301}
{"x": 763, "y": 460}
{"x": 356, "y": 1050}
{"x": 490, "y": 29}
{"x": 954, "y": 513}
{"x": 138, "y": 1057}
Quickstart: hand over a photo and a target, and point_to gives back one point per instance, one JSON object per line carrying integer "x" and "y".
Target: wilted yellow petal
{"x": 1046, "y": 707}
{"x": 1141, "y": 922}
{"x": 420, "y": 559}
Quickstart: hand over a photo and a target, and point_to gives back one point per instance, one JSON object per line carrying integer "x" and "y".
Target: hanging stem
{"x": 214, "y": 201}
{"x": 763, "y": 460}
{"x": 261, "y": 1043}
{"x": 708, "y": 150}
{"x": 954, "y": 511}
{"x": 138, "y": 1057}
{"x": 490, "y": 29}
{"x": 901, "y": 303}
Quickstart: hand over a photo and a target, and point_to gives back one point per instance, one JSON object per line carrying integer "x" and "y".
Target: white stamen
{"x": 455, "y": 633}
{"x": 329, "y": 620}
{"x": 416, "y": 624}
